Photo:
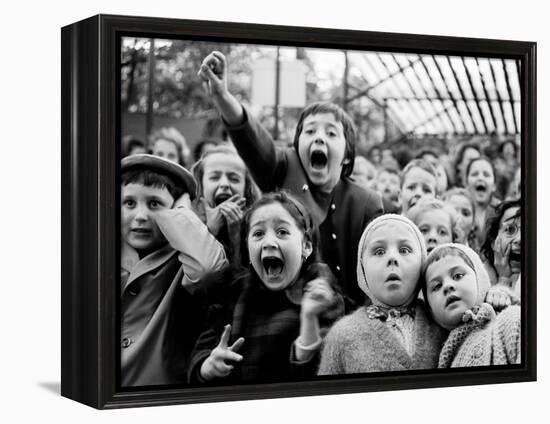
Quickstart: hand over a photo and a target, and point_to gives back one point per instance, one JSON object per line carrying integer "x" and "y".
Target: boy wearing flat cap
{"x": 165, "y": 250}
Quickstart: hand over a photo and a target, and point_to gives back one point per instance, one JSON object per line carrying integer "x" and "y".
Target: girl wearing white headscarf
{"x": 394, "y": 332}
{"x": 455, "y": 289}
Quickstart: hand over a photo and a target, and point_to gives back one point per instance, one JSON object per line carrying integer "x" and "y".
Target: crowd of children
{"x": 269, "y": 264}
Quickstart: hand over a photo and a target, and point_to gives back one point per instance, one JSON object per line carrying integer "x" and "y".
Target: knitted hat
{"x": 361, "y": 267}
{"x": 482, "y": 277}
{"x": 178, "y": 173}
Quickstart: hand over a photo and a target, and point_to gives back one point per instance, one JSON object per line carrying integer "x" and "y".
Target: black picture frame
{"x": 90, "y": 198}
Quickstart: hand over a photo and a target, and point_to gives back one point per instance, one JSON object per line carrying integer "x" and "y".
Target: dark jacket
{"x": 268, "y": 320}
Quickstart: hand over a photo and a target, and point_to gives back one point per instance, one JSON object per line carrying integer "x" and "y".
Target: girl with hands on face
{"x": 278, "y": 310}
{"x": 225, "y": 190}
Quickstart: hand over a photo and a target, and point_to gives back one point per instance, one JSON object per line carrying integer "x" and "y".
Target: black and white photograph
{"x": 292, "y": 214}
{"x": 275, "y": 213}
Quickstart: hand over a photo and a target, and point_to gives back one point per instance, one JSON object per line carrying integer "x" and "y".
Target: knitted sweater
{"x": 359, "y": 344}
{"x": 487, "y": 339}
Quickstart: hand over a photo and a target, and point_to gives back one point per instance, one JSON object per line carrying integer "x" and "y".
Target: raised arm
{"x": 252, "y": 141}
{"x": 213, "y": 72}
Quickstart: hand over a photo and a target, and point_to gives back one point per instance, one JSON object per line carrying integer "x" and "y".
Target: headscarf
{"x": 482, "y": 277}
{"x": 361, "y": 267}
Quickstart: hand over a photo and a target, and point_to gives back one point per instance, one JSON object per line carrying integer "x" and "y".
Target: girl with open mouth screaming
{"x": 224, "y": 191}
{"x": 480, "y": 181}
{"x": 395, "y": 332}
{"x": 269, "y": 326}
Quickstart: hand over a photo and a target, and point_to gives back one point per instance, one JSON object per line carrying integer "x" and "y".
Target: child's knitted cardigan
{"x": 485, "y": 339}
{"x": 360, "y": 344}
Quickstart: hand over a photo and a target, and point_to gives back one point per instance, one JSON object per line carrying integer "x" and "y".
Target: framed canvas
{"x": 136, "y": 90}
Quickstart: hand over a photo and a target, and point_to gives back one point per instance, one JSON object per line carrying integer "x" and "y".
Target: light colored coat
{"x": 359, "y": 344}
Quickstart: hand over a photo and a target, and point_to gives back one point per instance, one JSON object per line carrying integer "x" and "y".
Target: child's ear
{"x": 307, "y": 248}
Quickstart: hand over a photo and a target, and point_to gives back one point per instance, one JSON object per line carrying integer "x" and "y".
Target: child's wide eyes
{"x": 443, "y": 232}
{"x": 427, "y": 189}
{"x": 379, "y": 252}
{"x": 404, "y": 250}
{"x": 466, "y": 213}
{"x": 457, "y": 276}
{"x": 129, "y": 203}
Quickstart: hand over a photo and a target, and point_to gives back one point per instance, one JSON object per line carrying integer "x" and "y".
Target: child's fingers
{"x": 230, "y": 356}
{"x": 224, "y": 339}
{"x": 220, "y": 57}
{"x": 507, "y": 250}
{"x": 222, "y": 369}
{"x": 206, "y": 71}
{"x": 241, "y": 202}
{"x": 235, "y": 347}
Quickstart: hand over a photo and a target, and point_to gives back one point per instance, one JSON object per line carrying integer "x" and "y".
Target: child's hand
{"x": 502, "y": 255}
{"x": 218, "y": 364}
{"x": 183, "y": 201}
{"x": 318, "y": 297}
{"x": 213, "y": 72}
{"x": 499, "y": 297}
{"x": 230, "y": 212}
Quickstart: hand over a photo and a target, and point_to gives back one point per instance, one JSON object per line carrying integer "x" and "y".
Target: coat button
{"x": 338, "y": 268}
{"x": 305, "y": 187}
{"x": 333, "y": 236}
{"x": 333, "y": 206}
{"x": 126, "y": 341}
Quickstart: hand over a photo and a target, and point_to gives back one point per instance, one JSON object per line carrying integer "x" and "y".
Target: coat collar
{"x": 136, "y": 267}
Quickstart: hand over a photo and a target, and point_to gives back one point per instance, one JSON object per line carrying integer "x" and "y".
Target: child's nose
{"x": 224, "y": 182}
{"x": 142, "y": 214}
{"x": 449, "y": 286}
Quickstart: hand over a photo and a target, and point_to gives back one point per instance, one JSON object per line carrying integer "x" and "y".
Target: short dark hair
{"x": 340, "y": 115}
{"x": 149, "y": 178}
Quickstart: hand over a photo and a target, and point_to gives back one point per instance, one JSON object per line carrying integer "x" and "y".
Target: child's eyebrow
{"x": 456, "y": 268}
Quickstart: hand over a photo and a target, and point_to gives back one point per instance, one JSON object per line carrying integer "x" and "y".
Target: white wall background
{"x": 30, "y": 218}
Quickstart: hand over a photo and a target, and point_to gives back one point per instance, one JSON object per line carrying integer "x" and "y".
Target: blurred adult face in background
{"x": 470, "y": 154}
{"x": 364, "y": 173}
{"x": 166, "y": 149}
